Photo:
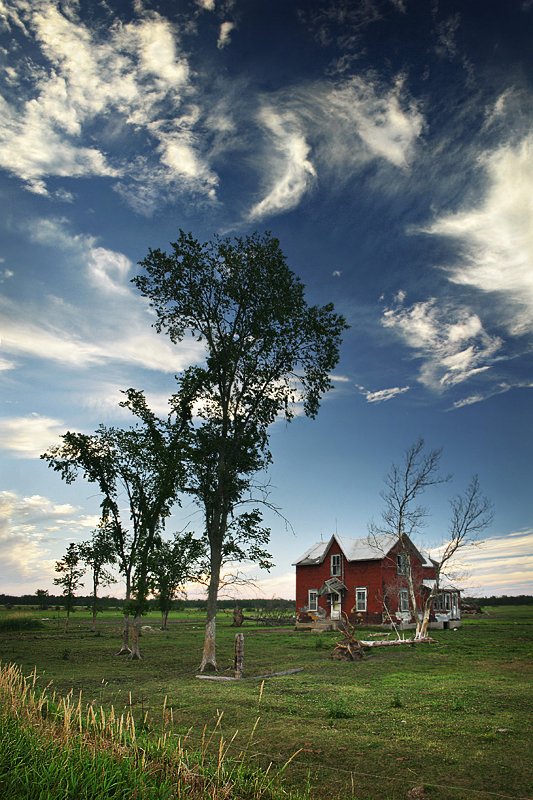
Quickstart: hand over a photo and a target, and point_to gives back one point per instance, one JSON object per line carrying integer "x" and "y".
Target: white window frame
{"x": 312, "y": 599}
{"x": 402, "y": 563}
{"x": 438, "y": 603}
{"x": 360, "y": 602}
{"x": 336, "y": 565}
{"x": 403, "y": 601}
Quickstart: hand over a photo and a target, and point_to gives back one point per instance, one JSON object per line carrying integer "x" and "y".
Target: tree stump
{"x": 238, "y": 617}
{"x": 348, "y": 650}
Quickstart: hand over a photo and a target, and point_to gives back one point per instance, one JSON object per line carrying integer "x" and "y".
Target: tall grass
{"x": 20, "y": 622}
{"x": 54, "y": 746}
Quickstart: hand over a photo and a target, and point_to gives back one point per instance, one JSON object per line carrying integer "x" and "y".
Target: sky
{"x": 388, "y": 144}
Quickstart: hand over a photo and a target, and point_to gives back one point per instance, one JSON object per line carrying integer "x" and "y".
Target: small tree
{"x": 404, "y": 517}
{"x": 97, "y": 554}
{"x": 42, "y": 598}
{"x": 69, "y": 579}
{"x": 171, "y": 565}
{"x": 146, "y": 465}
{"x": 266, "y": 349}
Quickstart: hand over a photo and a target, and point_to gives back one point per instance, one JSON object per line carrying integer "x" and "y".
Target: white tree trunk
{"x": 125, "y": 649}
{"x": 135, "y": 654}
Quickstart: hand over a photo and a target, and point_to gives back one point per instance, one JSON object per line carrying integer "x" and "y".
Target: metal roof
{"x": 369, "y": 548}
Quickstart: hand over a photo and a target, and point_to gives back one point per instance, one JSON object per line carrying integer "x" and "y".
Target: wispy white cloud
{"x": 224, "y": 36}
{"x": 29, "y": 436}
{"x": 383, "y": 394}
{"x": 290, "y": 170}
{"x": 495, "y": 239}
{"x": 370, "y": 120}
{"x": 450, "y": 340}
{"x": 100, "y": 89}
{"x": 326, "y": 131}
{"x": 33, "y": 532}
{"x": 113, "y": 323}
{"x": 499, "y": 565}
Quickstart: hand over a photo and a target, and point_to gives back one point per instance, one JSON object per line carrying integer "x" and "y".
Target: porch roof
{"x": 332, "y": 585}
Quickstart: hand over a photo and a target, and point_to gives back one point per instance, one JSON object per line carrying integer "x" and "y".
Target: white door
{"x": 335, "y": 605}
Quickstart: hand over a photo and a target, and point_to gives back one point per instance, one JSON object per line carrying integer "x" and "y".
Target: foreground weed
{"x": 57, "y": 747}
{"x": 339, "y": 708}
{"x": 396, "y": 701}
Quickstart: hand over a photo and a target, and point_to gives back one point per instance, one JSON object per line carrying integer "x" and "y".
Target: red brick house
{"x": 365, "y": 581}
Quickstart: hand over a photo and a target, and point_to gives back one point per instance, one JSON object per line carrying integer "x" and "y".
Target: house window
{"x": 336, "y": 564}
{"x": 438, "y": 603}
{"x": 312, "y": 600}
{"x": 402, "y": 564}
{"x": 360, "y": 599}
{"x": 404, "y": 600}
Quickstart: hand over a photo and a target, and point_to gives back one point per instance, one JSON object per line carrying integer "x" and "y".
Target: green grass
{"x": 454, "y": 716}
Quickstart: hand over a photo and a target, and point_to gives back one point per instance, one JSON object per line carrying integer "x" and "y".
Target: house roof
{"x": 370, "y": 548}
{"x": 444, "y": 586}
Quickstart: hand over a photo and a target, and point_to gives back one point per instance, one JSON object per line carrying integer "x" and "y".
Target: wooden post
{"x": 239, "y": 655}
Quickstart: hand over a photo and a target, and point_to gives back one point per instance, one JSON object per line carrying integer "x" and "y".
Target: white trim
{"x": 336, "y": 564}
{"x": 363, "y": 601}
{"x": 403, "y": 601}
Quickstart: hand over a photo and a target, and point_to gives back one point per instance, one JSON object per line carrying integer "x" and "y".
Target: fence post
{"x": 239, "y": 655}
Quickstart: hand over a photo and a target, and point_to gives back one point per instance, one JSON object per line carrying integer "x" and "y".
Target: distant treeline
{"x": 51, "y": 600}
{"x": 504, "y": 600}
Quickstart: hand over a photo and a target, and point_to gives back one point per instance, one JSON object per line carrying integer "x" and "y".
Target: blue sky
{"x": 387, "y": 143}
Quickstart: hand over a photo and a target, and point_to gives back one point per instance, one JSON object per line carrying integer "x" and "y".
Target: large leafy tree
{"x": 265, "y": 351}
{"x": 142, "y": 467}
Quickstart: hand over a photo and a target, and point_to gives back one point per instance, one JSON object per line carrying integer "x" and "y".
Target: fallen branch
{"x": 394, "y": 642}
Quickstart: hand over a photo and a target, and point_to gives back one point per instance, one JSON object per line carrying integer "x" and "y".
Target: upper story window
{"x": 336, "y": 564}
{"x": 402, "y": 564}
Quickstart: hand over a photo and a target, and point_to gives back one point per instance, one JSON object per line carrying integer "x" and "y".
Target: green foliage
{"x": 396, "y": 701}
{"x": 70, "y": 575}
{"x": 486, "y": 667}
{"x": 265, "y": 349}
{"x": 340, "y": 708}
{"x": 51, "y": 748}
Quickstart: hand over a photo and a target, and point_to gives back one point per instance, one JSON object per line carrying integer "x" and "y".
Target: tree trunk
{"x": 135, "y": 654}
{"x": 423, "y": 632}
{"x": 209, "y": 654}
{"x": 125, "y": 649}
{"x": 66, "y": 620}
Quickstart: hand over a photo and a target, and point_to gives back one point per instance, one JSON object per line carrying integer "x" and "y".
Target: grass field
{"x": 454, "y": 717}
